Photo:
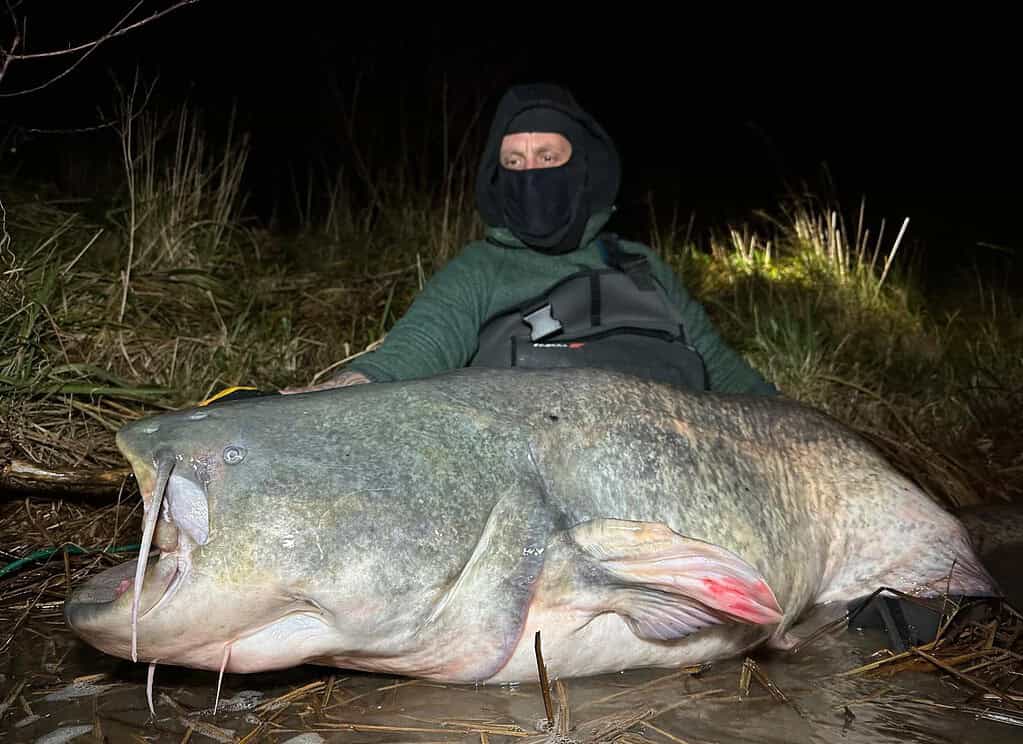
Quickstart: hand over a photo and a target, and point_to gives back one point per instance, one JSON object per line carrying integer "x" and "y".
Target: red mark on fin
{"x": 753, "y": 602}
{"x": 764, "y": 595}
{"x": 742, "y": 608}
{"x": 726, "y": 587}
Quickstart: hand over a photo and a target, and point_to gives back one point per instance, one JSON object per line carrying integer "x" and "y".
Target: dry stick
{"x": 360, "y": 696}
{"x": 443, "y": 728}
{"x": 8, "y": 55}
{"x": 5, "y": 237}
{"x": 117, "y": 515}
{"x": 665, "y": 734}
{"x": 39, "y": 527}
{"x": 66, "y": 269}
{"x": 956, "y": 673}
{"x": 327, "y": 694}
{"x": 690, "y": 697}
{"x": 763, "y": 679}
{"x": 891, "y": 256}
{"x": 607, "y": 728}
{"x": 932, "y": 645}
{"x": 963, "y": 658}
{"x": 288, "y": 697}
{"x": 564, "y": 710}
{"x": 745, "y": 675}
{"x": 24, "y": 616}
{"x": 998, "y": 716}
{"x": 24, "y": 476}
{"x": 828, "y": 627}
{"x": 9, "y": 700}
{"x": 876, "y": 664}
{"x": 473, "y": 725}
{"x": 374, "y": 345}
{"x": 67, "y": 575}
{"x": 258, "y": 730}
{"x": 383, "y": 728}
{"x": 877, "y": 247}
{"x": 541, "y": 669}
{"x": 126, "y": 153}
{"x": 206, "y": 729}
{"x": 687, "y": 672}
{"x": 859, "y": 230}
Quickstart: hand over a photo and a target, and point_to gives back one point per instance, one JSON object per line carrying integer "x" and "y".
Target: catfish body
{"x": 431, "y": 527}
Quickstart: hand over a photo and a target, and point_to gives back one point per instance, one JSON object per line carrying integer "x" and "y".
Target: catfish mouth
{"x": 100, "y": 609}
{"x": 103, "y": 611}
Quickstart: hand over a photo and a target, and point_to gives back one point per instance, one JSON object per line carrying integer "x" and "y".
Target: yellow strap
{"x": 225, "y": 392}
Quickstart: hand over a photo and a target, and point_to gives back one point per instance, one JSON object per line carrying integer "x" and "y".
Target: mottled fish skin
{"x": 405, "y": 527}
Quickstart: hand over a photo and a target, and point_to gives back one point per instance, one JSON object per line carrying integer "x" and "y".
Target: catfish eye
{"x": 233, "y": 454}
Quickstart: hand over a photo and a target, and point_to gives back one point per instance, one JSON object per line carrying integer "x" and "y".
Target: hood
{"x": 603, "y": 168}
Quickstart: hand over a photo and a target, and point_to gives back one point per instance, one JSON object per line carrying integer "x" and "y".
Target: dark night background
{"x": 717, "y": 115}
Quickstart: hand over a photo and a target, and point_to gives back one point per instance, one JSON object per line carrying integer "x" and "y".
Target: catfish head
{"x": 233, "y": 536}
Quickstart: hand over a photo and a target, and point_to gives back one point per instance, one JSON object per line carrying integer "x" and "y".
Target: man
{"x": 546, "y": 287}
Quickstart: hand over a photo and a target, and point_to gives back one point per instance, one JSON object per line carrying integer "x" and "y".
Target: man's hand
{"x": 342, "y": 380}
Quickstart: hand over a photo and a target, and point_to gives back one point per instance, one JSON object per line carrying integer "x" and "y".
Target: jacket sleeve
{"x": 439, "y": 332}
{"x": 727, "y": 370}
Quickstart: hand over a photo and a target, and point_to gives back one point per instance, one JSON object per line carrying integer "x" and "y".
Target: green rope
{"x": 47, "y": 552}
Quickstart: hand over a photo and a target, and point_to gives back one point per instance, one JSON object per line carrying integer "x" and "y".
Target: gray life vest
{"x": 616, "y": 317}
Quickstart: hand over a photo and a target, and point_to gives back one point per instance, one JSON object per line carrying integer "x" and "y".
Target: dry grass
{"x": 835, "y": 320}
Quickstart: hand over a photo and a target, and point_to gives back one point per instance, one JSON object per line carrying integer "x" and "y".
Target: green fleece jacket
{"x": 440, "y": 330}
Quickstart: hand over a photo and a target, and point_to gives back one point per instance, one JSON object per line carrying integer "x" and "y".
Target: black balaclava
{"x": 547, "y": 208}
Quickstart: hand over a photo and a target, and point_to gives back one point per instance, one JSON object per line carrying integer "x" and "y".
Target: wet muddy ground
{"x": 810, "y": 702}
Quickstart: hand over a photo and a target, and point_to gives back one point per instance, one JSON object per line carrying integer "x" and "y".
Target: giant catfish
{"x": 430, "y": 527}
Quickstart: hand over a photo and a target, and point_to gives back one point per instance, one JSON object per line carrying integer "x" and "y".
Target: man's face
{"x": 528, "y": 150}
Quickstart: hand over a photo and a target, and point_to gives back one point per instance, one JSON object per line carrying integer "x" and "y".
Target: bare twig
{"x": 8, "y": 56}
{"x": 545, "y": 687}
{"x": 118, "y": 29}
{"x": 5, "y": 237}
